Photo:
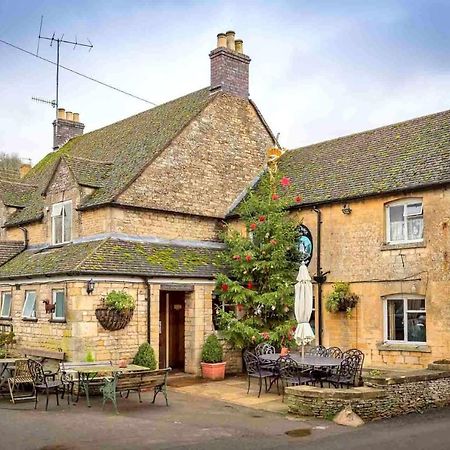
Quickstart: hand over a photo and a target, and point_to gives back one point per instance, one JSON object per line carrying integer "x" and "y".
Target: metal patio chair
{"x": 360, "y": 355}
{"x": 346, "y": 374}
{"x": 42, "y": 382}
{"x": 255, "y": 370}
{"x": 291, "y": 374}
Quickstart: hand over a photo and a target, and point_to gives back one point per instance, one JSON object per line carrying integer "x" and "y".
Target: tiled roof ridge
{"x": 86, "y": 159}
{"x": 371, "y": 130}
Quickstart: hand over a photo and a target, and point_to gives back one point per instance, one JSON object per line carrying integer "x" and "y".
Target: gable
{"x": 208, "y": 165}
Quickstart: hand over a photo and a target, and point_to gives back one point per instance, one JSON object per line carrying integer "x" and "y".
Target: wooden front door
{"x": 171, "y": 330}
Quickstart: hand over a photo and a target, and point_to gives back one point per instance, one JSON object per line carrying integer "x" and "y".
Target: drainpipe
{"x": 26, "y": 240}
{"x": 320, "y": 277}
{"x": 149, "y": 302}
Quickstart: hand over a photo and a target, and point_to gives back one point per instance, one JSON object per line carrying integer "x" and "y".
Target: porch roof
{"x": 114, "y": 256}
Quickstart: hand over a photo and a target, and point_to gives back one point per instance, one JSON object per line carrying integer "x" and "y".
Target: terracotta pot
{"x": 284, "y": 351}
{"x": 213, "y": 371}
{"x": 123, "y": 363}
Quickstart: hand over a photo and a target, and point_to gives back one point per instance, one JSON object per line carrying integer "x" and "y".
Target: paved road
{"x": 200, "y": 423}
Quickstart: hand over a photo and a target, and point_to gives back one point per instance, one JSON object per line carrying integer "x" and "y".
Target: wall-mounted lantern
{"x": 346, "y": 209}
{"x": 90, "y": 285}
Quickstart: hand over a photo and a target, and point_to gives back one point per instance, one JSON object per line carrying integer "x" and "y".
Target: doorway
{"x": 171, "y": 329}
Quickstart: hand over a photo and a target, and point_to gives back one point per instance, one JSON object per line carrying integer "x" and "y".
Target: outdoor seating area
{"x": 27, "y": 379}
{"x": 317, "y": 365}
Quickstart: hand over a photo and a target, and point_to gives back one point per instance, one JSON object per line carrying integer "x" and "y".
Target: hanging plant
{"x": 116, "y": 312}
{"x": 341, "y": 299}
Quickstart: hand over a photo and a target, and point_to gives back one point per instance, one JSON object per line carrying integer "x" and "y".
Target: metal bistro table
{"x": 308, "y": 361}
{"x": 5, "y": 364}
{"x": 87, "y": 374}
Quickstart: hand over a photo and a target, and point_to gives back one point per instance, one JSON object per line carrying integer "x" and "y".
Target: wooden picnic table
{"x": 86, "y": 374}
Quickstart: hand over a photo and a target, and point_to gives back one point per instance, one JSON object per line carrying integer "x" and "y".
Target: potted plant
{"x": 213, "y": 367}
{"x": 341, "y": 299}
{"x": 117, "y": 310}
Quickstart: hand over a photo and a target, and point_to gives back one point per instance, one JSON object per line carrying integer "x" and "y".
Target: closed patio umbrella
{"x": 303, "y": 308}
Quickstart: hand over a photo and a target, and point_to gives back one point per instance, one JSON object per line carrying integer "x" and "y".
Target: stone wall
{"x": 232, "y": 356}
{"x": 208, "y": 165}
{"x": 380, "y": 400}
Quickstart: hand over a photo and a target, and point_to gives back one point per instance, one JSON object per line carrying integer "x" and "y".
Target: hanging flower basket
{"x": 113, "y": 320}
{"x": 116, "y": 311}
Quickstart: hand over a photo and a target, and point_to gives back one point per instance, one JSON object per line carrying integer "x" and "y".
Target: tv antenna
{"x": 57, "y": 41}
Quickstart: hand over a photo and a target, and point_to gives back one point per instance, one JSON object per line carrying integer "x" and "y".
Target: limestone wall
{"x": 379, "y": 401}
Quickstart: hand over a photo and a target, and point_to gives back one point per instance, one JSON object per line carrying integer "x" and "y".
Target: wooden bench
{"x": 137, "y": 382}
{"x": 44, "y": 354}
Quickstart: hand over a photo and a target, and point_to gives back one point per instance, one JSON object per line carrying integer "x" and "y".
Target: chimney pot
{"x": 69, "y": 116}
{"x": 230, "y": 40}
{"x": 221, "y": 40}
{"x": 61, "y": 113}
{"x": 24, "y": 169}
{"x": 239, "y": 45}
{"x": 76, "y": 117}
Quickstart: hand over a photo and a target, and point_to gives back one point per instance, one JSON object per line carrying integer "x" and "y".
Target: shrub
{"x": 341, "y": 299}
{"x": 119, "y": 301}
{"x": 212, "y": 350}
{"x": 145, "y": 356}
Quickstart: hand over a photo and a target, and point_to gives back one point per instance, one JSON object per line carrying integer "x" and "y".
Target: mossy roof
{"x": 115, "y": 154}
{"x": 15, "y": 194}
{"x": 114, "y": 256}
{"x": 403, "y": 156}
{"x": 9, "y": 249}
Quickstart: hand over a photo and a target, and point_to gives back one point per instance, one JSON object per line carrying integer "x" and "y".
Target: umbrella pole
{"x": 303, "y": 350}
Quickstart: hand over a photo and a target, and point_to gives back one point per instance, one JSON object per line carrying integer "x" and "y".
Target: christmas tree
{"x": 261, "y": 265}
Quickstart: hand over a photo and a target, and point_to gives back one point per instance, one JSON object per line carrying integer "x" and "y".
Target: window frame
{"x": 403, "y": 202}
{"x": 63, "y": 205}
{"x": 404, "y": 298}
{"x": 34, "y": 316}
{"x": 56, "y": 318}
{"x": 2, "y": 300}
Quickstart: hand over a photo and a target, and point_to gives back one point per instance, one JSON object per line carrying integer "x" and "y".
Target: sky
{"x": 320, "y": 69}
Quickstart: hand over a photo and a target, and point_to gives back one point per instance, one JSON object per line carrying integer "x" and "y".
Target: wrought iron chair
{"x": 360, "y": 355}
{"x": 318, "y": 350}
{"x": 41, "y": 382}
{"x": 346, "y": 374}
{"x": 333, "y": 352}
{"x": 291, "y": 374}
{"x": 265, "y": 349}
{"x": 254, "y": 370}
{"x": 22, "y": 376}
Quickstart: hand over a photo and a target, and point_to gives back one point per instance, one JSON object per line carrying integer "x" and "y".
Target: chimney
{"x": 66, "y": 127}
{"x": 229, "y": 66}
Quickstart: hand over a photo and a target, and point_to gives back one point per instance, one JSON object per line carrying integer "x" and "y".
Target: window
{"x": 29, "y": 306}
{"x": 5, "y": 310}
{"x": 404, "y": 221}
{"x": 405, "y": 319}
{"x": 62, "y": 222}
{"x": 60, "y": 307}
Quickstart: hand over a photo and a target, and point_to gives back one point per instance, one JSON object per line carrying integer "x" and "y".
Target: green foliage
{"x": 119, "y": 301}
{"x": 6, "y": 340}
{"x": 341, "y": 299}
{"x": 212, "y": 350}
{"x": 145, "y": 356}
{"x": 89, "y": 357}
{"x": 261, "y": 266}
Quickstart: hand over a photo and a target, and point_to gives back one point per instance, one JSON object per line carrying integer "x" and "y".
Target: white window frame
{"x": 27, "y": 293}
{"x": 2, "y": 302}
{"x": 54, "y": 293}
{"x": 405, "y": 298}
{"x": 63, "y": 206}
{"x": 405, "y": 202}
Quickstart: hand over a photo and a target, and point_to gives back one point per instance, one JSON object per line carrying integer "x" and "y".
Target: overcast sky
{"x": 320, "y": 69}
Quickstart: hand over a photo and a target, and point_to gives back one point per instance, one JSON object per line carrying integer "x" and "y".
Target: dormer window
{"x": 61, "y": 222}
{"x": 404, "y": 221}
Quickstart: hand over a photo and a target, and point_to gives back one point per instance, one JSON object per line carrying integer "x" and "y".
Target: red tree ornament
{"x": 285, "y": 181}
{"x": 253, "y": 226}
{"x": 298, "y": 199}
{"x": 262, "y": 218}
{"x": 248, "y": 258}
{"x": 275, "y": 197}
{"x": 273, "y": 241}
{"x": 250, "y": 285}
{"x": 237, "y": 257}
{"x": 224, "y": 287}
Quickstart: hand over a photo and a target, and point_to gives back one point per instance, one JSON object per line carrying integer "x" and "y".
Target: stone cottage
{"x": 138, "y": 205}
{"x": 134, "y": 206}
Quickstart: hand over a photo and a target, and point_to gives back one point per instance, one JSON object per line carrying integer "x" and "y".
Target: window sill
{"x": 387, "y": 246}
{"x": 57, "y": 321}
{"x": 6, "y": 318}
{"x": 400, "y": 347}
{"x": 29, "y": 319}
